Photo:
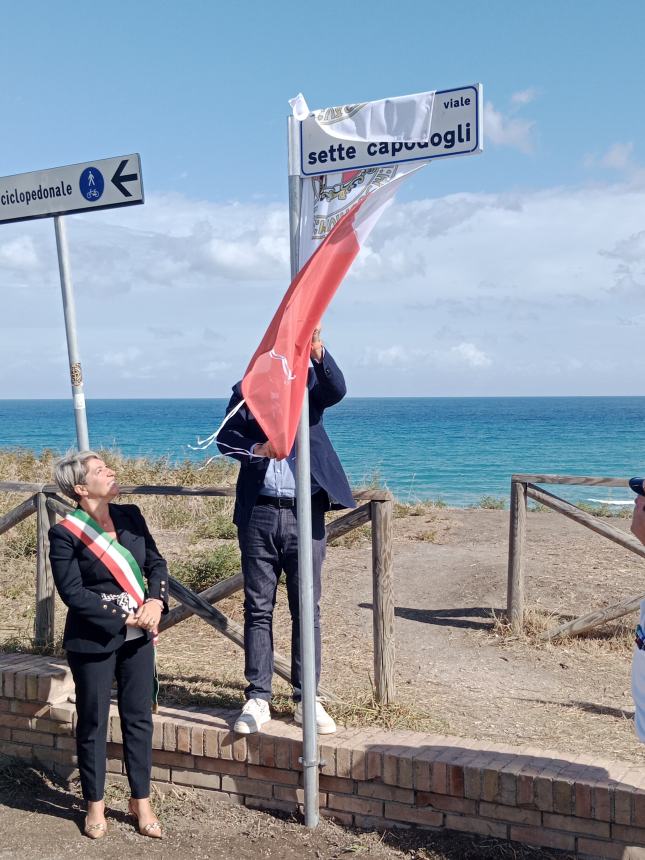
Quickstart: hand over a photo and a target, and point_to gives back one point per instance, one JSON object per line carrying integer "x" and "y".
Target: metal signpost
{"x": 103, "y": 184}
{"x": 456, "y": 129}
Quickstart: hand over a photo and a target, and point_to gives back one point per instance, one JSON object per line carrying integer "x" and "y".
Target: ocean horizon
{"x": 453, "y": 449}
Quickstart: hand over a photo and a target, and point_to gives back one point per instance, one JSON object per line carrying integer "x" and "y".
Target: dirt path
{"x": 450, "y": 571}
{"x": 42, "y": 819}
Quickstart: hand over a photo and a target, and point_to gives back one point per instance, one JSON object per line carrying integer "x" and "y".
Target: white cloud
{"x": 508, "y": 131}
{"x": 524, "y": 97}
{"x": 471, "y": 355}
{"x": 462, "y": 294}
{"x": 618, "y": 156}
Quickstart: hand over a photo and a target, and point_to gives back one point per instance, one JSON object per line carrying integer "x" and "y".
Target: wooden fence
{"x": 523, "y": 487}
{"x": 376, "y": 508}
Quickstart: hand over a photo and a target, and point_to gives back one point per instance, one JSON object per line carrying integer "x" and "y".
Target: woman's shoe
{"x": 95, "y": 831}
{"x": 153, "y": 829}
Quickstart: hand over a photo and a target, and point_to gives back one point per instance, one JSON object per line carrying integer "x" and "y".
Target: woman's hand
{"x": 148, "y": 615}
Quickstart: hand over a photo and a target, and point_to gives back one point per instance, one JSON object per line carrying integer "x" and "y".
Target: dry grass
{"x": 613, "y": 636}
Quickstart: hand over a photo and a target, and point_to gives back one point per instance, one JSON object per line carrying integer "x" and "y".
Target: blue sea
{"x": 453, "y": 449}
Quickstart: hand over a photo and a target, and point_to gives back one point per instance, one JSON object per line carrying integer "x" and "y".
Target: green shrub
{"x": 492, "y": 503}
{"x": 207, "y": 568}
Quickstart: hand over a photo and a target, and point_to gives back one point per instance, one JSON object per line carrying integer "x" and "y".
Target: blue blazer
{"x": 326, "y": 386}
{"x": 96, "y": 624}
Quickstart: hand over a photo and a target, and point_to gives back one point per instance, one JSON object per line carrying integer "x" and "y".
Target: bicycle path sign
{"x": 102, "y": 184}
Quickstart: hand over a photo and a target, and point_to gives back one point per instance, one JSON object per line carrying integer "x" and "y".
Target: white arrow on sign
{"x": 101, "y": 184}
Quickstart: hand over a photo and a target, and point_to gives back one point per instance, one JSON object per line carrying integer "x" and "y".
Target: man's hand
{"x": 638, "y": 519}
{"x": 264, "y": 449}
{"x": 317, "y": 346}
{"x": 148, "y": 615}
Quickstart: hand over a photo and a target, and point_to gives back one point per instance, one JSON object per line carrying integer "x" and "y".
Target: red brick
{"x": 370, "y": 822}
{"x": 267, "y": 751}
{"x": 490, "y": 784}
{"x": 31, "y": 687}
{"x": 582, "y": 797}
{"x": 197, "y": 741}
{"x": 173, "y": 759}
{"x": 273, "y": 774}
{"x": 344, "y": 818}
{"x": 576, "y": 825}
{"x": 374, "y": 764}
{"x": 239, "y": 748}
{"x": 406, "y": 771}
{"x": 41, "y": 738}
{"x": 468, "y": 824}
{"x": 622, "y": 805}
{"x": 351, "y": 803}
{"x": 226, "y": 741}
{"x": 48, "y": 755}
{"x": 359, "y": 764}
{"x": 29, "y": 709}
{"x": 542, "y": 836}
{"x": 41, "y": 724}
{"x": 543, "y": 793}
{"x": 65, "y": 743}
{"x": 283, "y": 753}
{"x": 335, "y": 783}
{"x": 385, "y": 792}
{"x": 605, "y": 850}
{"x": 183, "y": 739}
{"x": 211, "y": 743}
{"x": 157, "y": 734}
{"x": 218, "y": 765}
{"x": 17, "y": 750}
{"x": 343, "y": 761}
{"x": 563, "y": 798}
{"x": 241, "y": 785}
{"x": 390, "y": 766}
{"x": 446, "y": 803}
{"x": 5, "y": 733}
{"x": 401, "y": 812}
{"x": 601, "y": 803}
{"x": 169, "y": 736}
{"x": 253, "y": 748}
{"x": 114, "y": 733}
{"x": 293, "y": 795}
{"x": 15, "y": 721}
{"x": 5, "y": 705}
{"x": 270, "y": 804}
{"x": 20, "y": 685}
{"x": 196, "y": 778}
{"x": 455, "y": 780}
{"x": 511, "y": 814}
{"x": 632, "y": 835}
{"x": 159, "y": 774}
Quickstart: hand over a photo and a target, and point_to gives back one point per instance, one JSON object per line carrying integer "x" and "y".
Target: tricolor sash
{"x": 118, "y": 560}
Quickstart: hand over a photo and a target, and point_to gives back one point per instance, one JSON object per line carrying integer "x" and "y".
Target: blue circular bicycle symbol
{"x": 91, "y": 184}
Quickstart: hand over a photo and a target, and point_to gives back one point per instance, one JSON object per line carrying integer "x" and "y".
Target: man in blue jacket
{"x": 266, "y": 519}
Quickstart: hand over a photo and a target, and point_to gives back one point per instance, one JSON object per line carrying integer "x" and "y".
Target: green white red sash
{"x": 118, "y": 560}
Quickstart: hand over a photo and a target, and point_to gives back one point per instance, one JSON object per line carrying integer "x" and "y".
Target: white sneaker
{"x": 255, "y": 714}
{"x": 324, "y": 723}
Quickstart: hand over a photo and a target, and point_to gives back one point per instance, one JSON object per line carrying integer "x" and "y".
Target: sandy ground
{"x": 456, "y": 671}
{"x": 450, "y": 577}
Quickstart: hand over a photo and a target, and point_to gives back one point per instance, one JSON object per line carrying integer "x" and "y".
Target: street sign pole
{"x": 303, "y": 500}
{"x": 89, "y": 187}
{"x": 69, "y": 311}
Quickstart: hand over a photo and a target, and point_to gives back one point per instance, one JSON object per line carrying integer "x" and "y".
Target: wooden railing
{"x": 523, "y": 487}
{"x": 376, "y": 508}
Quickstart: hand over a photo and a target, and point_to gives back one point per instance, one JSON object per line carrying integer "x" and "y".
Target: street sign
{"x": 456, "y": 129}
{"x": 101, "y": 184}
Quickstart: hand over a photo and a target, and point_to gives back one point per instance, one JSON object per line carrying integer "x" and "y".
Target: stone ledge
{"x": 370, "y": 778}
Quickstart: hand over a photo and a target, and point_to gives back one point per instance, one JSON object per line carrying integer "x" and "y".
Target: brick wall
{"x": 369, "y": 778}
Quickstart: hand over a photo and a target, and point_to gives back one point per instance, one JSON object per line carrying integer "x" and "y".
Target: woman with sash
{"x": 110, "y": 575}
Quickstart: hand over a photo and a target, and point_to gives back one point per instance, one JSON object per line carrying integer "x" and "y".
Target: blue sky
{"x": 519, "y": 271}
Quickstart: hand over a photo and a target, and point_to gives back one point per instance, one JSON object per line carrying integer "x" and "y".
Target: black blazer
{"x": 95, "y": 625}
{"x": 326, "y": 386}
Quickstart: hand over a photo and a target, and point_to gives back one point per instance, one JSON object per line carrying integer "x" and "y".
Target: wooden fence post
{"x": 44, "y": 622}
{"x": 516, "y": 539}
{"x": 383, "y": 600}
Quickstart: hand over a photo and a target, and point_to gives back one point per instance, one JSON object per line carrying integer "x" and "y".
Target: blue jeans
{"x": 269, "y": 545}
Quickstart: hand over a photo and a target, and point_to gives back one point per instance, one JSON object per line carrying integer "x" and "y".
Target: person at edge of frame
{"x": 266, "y": 518}
{"x": 638, "y": 660}
{"x": 106, "y": 635}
